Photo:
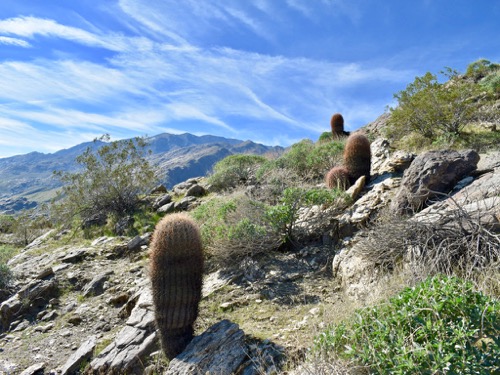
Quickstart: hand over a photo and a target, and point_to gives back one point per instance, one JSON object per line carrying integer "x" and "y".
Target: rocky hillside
{"x": 28, "y": 179}
{"x": 86, "y": 307}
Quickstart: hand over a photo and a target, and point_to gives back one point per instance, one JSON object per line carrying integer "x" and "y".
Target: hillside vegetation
{"x": 321, "y": 251}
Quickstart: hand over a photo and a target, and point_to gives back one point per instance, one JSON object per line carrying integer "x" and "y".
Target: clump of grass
{"x": 442, "y": 325}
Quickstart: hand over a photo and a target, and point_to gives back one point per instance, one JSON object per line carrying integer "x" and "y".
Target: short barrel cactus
{"x": 357, "y": 157}
{"x": 338, "y": 177}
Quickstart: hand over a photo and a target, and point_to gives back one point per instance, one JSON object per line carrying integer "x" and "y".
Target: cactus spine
{"x": 176, "y": 270}
{"x": 357, "y": 157}
{"x": 338, "y": 177}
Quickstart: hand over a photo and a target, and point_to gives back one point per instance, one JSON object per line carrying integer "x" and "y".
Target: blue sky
{"x": 273, "y": 71}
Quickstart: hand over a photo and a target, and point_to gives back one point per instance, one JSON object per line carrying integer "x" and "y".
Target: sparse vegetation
{"x": 255, "y": 227}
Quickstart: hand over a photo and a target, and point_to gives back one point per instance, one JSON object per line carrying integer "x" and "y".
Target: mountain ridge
{"x": 178, "y": 156}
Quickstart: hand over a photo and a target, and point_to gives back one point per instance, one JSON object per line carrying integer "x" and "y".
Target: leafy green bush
{"x": 325, "y": 137}
{"x": 232, "y": 228}
{"x": 6, "y": 253}
{"x": 441, "y": 326}
{"x": 6, "y": 223}
{"x": 234, "y": 170}
{"x": 306, "y": 159}
{"x": 433, "y": 109}
{"x": 481, "y": 68}
{"x": 284, "y": 216}
{"x": 109, "y": 182}
{"x": 492, "y": 82}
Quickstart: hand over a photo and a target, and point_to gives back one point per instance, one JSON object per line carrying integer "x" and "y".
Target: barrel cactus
{"x": 176, "y": 270}
{"x": 338, "y": 177}
{"x": 357, "y": 157}
{"x": 337, "y": 125}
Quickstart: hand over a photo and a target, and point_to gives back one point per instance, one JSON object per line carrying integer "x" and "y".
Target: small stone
{"x": 314, "y": 311}
{"x": 45, "y": 273}
{"x": 44, "y": 328}
{"x": 75, "y": 319}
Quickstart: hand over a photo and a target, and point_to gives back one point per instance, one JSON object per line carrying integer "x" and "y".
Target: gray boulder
{"x": 431, "y": 176}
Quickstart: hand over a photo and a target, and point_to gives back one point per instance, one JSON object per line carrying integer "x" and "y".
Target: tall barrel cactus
{"x": 337, "y": 125}
{"x": 357, "y": 157}
{"x": 338, "y": 177}
{"x": 176, "y": 270}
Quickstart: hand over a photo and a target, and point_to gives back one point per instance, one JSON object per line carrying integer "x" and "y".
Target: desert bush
{"x": 233, "y": 228}
{"x": 440, "y": 326}
{"x": 433, "y": 109}
{"x": 110, "y": 180}
{"x": 284, "y": 216}
{"x": 308, "y": 160}
{"x": 325, "y": 137}
{"x": 29, "y": 225}
{"x": 234, "y": 170}
{"x": 481, "y": 69}
{"x": 6, "y": 276}
{"x": 6, "y": 223}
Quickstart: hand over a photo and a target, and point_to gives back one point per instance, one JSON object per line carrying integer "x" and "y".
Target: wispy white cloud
{"x": 30, "y": 27}
{"x": 14, "y": 41}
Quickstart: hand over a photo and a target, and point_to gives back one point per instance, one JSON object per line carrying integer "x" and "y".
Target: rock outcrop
{"x": 431, "y": 176}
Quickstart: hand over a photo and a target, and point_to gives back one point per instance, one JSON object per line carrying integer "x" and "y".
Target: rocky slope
{"x": 87, "y": 307}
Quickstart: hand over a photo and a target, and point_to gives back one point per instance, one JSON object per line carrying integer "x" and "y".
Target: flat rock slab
{"x": 83, "y": 353}
{"x": 133, "y": 344}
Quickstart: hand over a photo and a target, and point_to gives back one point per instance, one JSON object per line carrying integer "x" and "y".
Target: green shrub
{"x": 433, "y": 109}
{"x": 325, "y": 137}
{"x": 492, "y": 82}
{"x": 441, "y": 326}
{"x": 111, "y": 178}
{"x": 232, "y": 228}
{"x": 6, "y": 223}
{"x": 6, "y": 253}
{"x": 5, "y": 276}
{"x": 284, "y": 216}
{"x": 234, "y": 170}
{"x": 309, "y": 161}
{"x": 480, "y": 69}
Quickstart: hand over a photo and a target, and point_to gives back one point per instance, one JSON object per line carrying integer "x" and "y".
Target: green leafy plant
{"x": 6, "y": 276}
{"x": 233, "y": 228}
{"x": 307, "y": 160}
{"x": 283, "y": 216}
{"x": 441, "y": 326}
{"x": 234, "y": 170}
{"x": 434, "y": 109}
{"x": 110, "y": 180}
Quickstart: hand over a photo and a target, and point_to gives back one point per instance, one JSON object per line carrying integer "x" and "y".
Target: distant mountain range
{"x": 27, "y": 178}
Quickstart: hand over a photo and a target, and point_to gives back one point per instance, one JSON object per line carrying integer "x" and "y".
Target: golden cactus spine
{"x": 176, "y": 271}
{"x": 357, "y": 157}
